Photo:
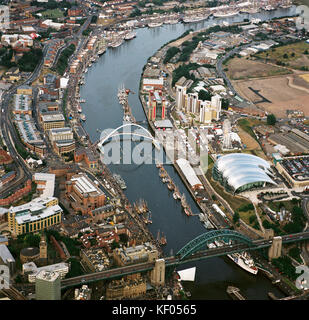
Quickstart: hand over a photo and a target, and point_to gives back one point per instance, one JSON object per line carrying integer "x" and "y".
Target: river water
{"x": 124, "y": 65}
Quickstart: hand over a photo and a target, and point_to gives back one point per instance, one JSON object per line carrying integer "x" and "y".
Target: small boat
{"x": 170, "y": 186}
{"x": 83, "y": 117}
{"x": 79, "y": 109}
{"x": 175, "y": 196}
{"x": 187, "y": 212}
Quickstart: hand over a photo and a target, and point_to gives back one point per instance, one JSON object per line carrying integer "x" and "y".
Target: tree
{"x": 236, "y": 217}
{"x": 115, "y": 245}
{"x": 271, "y": 119}
{"x": 285, "y": 56}
{"x": 123, "y": 238}
{"x": 204, "y": 95}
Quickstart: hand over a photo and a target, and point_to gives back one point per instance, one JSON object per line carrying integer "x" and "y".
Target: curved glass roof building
{"x": 239, "y": 172}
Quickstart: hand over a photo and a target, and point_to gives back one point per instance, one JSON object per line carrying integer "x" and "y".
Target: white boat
{"x": 83, "y": 117}
{"x": 244, "y": 261}
{"x": 225, "y": 15}
{"x": 172, "y": 21}
{"x": 250, "y": 10}
{"x": 101, "y": 51}
{"x": 175, "y": 195}
{"x": 116, "y": 43}
{"x": 269, "y": 8}
{"x": 130, "y": 35}
{"x": 155, "y": 24}
{"x": 193, "y": 19}
{"x": 79, "y": 109}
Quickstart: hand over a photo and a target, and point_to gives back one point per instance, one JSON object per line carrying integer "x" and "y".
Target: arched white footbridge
{"x": 115, "y": 133}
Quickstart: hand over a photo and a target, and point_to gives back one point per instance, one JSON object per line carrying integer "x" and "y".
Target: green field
{"x": 52, "y": 14}
{"x": 295, "y": 55}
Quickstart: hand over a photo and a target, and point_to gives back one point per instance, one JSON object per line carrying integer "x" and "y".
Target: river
{"x": 124, "y": 65}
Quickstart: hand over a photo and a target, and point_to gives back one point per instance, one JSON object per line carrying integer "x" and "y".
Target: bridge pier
{"x": 274, "y": 251}
{"x": 157, "y": 276}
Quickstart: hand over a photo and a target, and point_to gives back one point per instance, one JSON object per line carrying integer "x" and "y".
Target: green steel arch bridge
{"x": 194, "y": 250}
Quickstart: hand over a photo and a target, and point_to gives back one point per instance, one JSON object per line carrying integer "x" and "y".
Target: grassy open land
{"x": 294, "y": 55}
{"x": 247, "y": 124}
{"x": 243, "y": 68}
{"x": 234, "y": 201}
{"x": 248, "y": 138}
{"x": 52, "y": 14}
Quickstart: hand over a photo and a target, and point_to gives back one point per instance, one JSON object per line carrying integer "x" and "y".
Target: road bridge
{"x": 193, "y": 251}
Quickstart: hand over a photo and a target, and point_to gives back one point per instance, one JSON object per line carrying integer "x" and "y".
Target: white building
{"x": 60, "y": 134}
{"x": 32, "y": 270}
{"x": 45, "y": 183}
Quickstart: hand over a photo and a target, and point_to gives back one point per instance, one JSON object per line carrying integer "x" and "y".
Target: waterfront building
{"x": 84, "y": 194}
{"x": 87, "y": 155}
{"x": 191, "y": 104}
{"x": 48, "y": 286}
{"x": 146, "y": 252}
{"x": 239, "y": 172}
{"x": 150, "y": 84}
{"x": 34, "y": 216}
{"x": 156, "y": 105}
{"x": 62, "y": 140}
{"x": 52, "y": 120}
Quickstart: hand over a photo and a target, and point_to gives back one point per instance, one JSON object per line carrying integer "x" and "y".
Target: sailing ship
{"x": 161, "y": 239}
{"x": 140, "y": 206}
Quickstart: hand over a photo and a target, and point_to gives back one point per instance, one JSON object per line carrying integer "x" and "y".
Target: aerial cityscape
{"x": 154, "y": 150}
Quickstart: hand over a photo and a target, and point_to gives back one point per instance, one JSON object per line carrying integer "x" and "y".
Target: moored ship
{"x": 192, "y": 19}
{"x": 120, "y": 181}
{"x": 155, "y": 24}
{"x": 242, "y": 259}
{"x": 116, "y": 43}
{"x": 245, "y": 261}
{"x": 130, "y": 35}
{"x": 225, "y": 14}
